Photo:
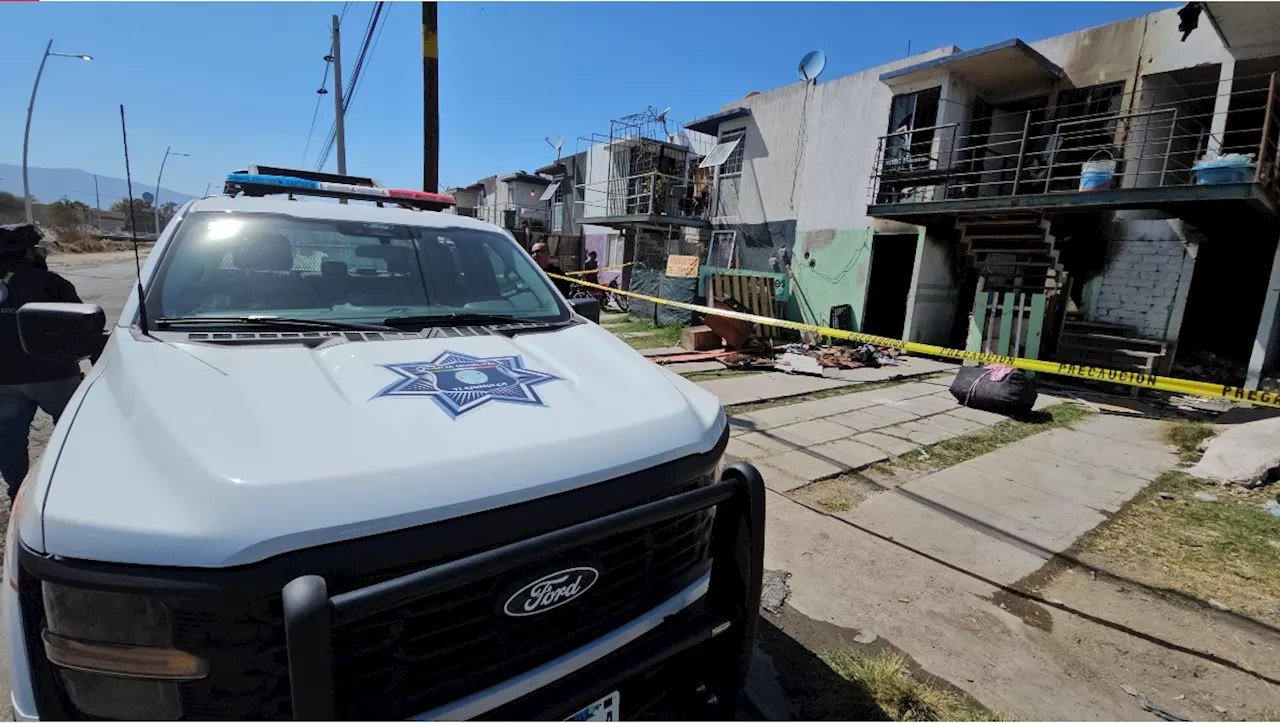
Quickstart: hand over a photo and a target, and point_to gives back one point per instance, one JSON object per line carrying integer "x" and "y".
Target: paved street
{"x": 107, "y": 285}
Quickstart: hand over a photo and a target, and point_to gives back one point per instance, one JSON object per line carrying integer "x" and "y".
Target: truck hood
{"x": 205, "y": 455}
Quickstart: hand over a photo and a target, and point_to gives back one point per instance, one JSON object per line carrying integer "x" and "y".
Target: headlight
{"x": 115, "y": 653}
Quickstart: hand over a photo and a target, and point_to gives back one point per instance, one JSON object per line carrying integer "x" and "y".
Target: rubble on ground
{"x": 1245, "y": 454}
{"x": 816, "y": 359}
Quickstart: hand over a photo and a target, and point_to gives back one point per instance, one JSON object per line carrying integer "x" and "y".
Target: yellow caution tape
{"x": 595, "y": 271}
{"x": 1114, "y": 376}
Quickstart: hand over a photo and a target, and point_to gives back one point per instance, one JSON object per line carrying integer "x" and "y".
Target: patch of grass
{"x": 717, "y": 374}
{"x": 963, "y": 448}
{"x": 1228, "y": 550}
{"x": 663, "y": 336}
{"x": 838, "y": 494}
{"x": 900, "y": 695}
{"x": 1187, "y": 436}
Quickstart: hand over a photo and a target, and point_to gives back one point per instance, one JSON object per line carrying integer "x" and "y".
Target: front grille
{"x": 439, "y": 648}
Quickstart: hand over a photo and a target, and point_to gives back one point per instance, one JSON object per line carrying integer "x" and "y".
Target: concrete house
{"x": 1034, "y": 198}
{"x": 513, "y": 201}
{"x": 632, "y": 194}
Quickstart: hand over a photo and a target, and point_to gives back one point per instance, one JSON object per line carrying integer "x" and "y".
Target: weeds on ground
{"x": 86, "y": 244}
{"x": 1228, "y": 550}
{"x": 662, "y": 335}
{"x": 1187, "y": 436}
{"x": 899, "y": 694}
{"x": 965, "y": 447}
{"x": 718, "y": 374}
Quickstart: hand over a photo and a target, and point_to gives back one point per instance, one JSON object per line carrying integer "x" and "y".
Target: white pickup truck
{"x": 363, "y": 461}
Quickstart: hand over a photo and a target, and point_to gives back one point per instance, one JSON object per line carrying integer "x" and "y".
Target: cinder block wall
{"x": 1139, "y": 286}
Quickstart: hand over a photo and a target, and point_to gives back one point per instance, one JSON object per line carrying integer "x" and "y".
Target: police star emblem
{"x": 460, "y": 383}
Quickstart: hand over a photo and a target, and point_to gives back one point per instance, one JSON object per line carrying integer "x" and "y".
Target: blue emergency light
{"x": 262, "y": 181}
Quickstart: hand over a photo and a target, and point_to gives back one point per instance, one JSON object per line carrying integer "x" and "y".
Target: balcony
{"x": 1043, "y": 159}
{"x": 515, "y": 216}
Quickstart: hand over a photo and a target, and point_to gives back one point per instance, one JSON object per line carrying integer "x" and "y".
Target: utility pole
{"x": 430, "y": 100}
{"x": 97, "y": 200}
{"x": 337, "y": 99}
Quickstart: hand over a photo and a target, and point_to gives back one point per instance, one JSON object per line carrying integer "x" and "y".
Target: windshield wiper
{"x": 271, "y": 321}
{"x": 454, "y": 320}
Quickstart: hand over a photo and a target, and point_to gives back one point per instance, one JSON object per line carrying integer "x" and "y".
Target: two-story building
{"x": 513, "y": 201}
{"x": 634, "y": 196}
{"x": 1037, "y": 198}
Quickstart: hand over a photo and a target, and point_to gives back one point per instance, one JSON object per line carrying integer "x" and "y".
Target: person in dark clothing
{"x": 542, "y": 256}
{"x": 27, "y": 383}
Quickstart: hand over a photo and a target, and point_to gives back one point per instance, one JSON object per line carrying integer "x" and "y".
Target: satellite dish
{"x": 811, "y": 65}
{"x": 558, "y": 144}
{"x": 148, "y": 197}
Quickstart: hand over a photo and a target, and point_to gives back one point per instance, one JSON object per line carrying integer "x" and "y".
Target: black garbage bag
{"x": 994, "y": 388}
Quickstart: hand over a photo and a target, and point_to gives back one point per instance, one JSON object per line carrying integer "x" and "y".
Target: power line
{"x": 356, "y": 73}
{"x": 351, "y": 83}
{"x": 314, "y": 114}
{"x": 374, "y": 49}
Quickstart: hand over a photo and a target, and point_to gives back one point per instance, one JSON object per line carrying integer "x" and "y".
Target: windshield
{"x": 227, "y": 265}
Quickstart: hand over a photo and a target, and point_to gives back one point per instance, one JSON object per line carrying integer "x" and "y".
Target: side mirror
{"x": 62, "y": 332}
{"x": 587, "y": 307}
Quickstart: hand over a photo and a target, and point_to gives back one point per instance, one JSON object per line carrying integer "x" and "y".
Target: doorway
{"x": 893, "y": 260}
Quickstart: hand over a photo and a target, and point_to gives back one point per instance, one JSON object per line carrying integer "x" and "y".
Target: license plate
{"x": 604, "y": 709}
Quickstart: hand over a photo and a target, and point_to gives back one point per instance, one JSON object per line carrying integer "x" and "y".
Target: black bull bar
{"x": 731, "y": 612}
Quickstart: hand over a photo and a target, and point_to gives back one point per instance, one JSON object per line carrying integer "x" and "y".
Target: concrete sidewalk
{"x": 1003, "y": 514}
{"x": 919, "y": 566}
{"x": 795, "y": 444}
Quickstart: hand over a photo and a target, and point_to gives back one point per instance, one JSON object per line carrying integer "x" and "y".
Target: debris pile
{"x": 815, "y": 359}
{"x": 1209, "y": 367}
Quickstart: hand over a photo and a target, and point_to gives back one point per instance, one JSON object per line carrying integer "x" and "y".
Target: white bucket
{"x": 1096, "y": 174}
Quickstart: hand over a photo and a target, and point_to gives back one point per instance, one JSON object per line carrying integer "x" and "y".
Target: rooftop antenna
{"x": 811, "y": 65}
{"x": 133, "y": 229}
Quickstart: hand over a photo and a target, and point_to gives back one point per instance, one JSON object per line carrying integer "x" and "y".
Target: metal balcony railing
{"x": 1150, "y": 144}
{"x": 515, "y": 215}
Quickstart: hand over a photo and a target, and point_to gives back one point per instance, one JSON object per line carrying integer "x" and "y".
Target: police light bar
{"x": 261, "y": 184}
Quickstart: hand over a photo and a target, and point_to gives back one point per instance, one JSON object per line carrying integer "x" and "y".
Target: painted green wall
{"x": 839, "y": 274}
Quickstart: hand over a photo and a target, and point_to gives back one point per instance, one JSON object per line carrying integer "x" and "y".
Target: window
{"x": 614, "y": 250}
{"x": 237, "y": 264}
{"x": 728, "y": 172}
{"x": 912, "y": 118}
{"x": 720, "y": 253}
{"x": 732, "y": 165}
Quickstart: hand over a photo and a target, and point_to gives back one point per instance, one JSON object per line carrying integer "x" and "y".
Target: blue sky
{"x": 234, "y": 83}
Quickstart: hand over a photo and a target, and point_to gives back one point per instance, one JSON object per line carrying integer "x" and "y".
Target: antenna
{"x": 811, "y": 65}
{"x": 133, "y": 229}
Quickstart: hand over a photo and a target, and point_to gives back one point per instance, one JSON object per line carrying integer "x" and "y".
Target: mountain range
{"x": 53, "y": 184}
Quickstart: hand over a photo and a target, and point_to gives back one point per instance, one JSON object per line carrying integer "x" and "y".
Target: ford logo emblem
{"x": 551, "y": 591}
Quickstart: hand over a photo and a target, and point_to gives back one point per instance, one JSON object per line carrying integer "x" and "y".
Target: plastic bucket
{"x": 1096, "y": 174}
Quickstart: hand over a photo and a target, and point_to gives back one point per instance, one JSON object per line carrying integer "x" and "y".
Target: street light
{"x": 167, "y": 152}
{"x": 26, "y": 136}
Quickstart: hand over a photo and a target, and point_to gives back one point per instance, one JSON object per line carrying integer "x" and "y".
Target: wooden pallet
{"x": 756, "y": 293}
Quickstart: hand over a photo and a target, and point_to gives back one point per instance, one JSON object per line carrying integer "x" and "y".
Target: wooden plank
{"x": 1035, "y": 328}
{"x": 977, "y": 321}
{"x": 1006, "y": 323}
